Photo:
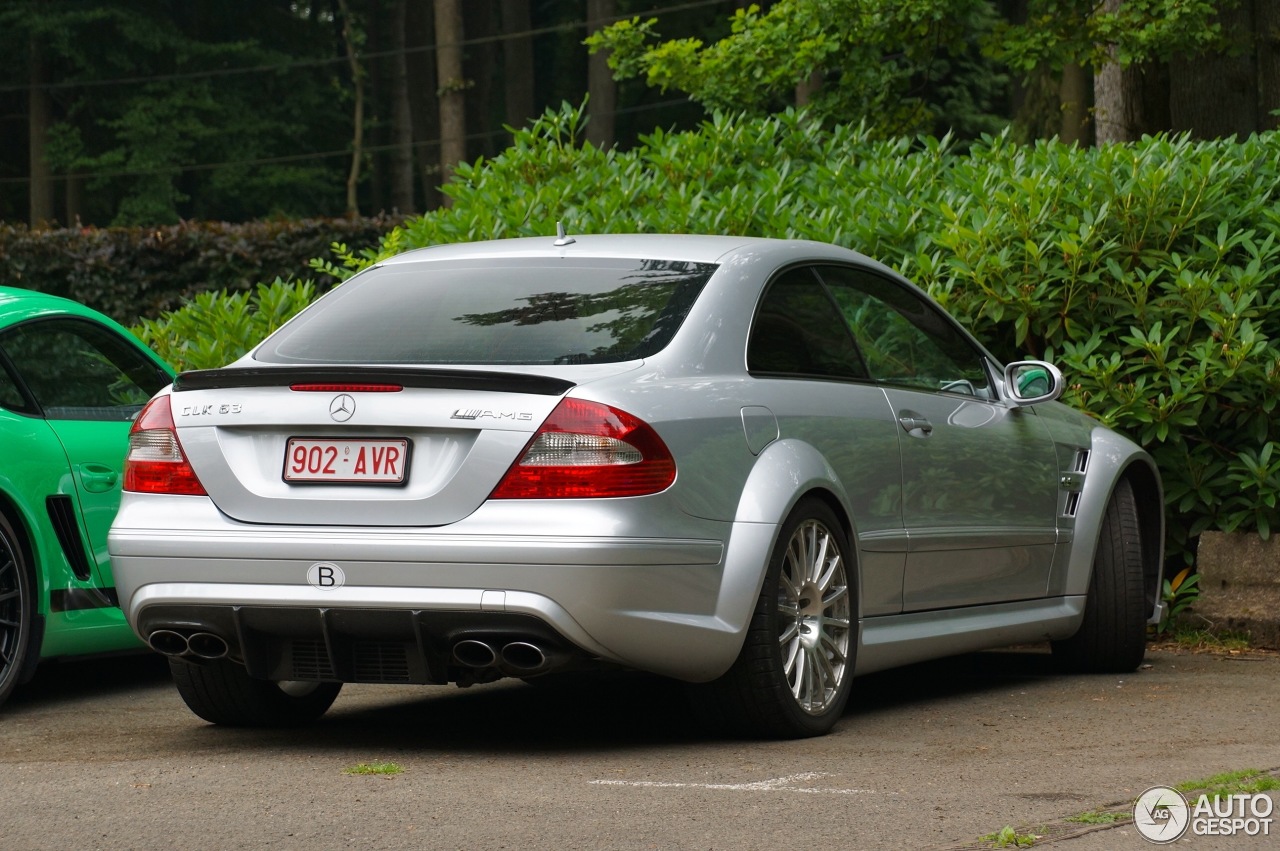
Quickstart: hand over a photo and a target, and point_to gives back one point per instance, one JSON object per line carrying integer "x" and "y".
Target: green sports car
{"x": 71, "y": 382}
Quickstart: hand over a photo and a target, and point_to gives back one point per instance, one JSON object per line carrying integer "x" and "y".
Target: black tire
{"x": 17, "y": 611}
{"x": 222, "y": 692}
{"x": 1112, "y": 638}
{"x": 792, "y": 678}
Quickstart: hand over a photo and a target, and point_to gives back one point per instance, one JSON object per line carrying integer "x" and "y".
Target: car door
{"x": 979, "y": 478}
{"x": 88, "y": 383}
{"x": 810, "y": 374}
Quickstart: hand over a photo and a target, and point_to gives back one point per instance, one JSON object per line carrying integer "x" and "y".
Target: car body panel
{"x": 78, "y": 462}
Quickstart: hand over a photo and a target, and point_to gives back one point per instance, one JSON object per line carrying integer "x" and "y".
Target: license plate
{"x": 364, "y": 461}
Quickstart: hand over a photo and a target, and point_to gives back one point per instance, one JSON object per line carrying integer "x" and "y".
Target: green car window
{"x": 80, "y": 371}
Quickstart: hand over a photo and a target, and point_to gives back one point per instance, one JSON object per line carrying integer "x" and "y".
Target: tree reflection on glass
{"x": 633, "y": 320}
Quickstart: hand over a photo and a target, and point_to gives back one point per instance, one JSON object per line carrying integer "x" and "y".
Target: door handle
{"x": 914, "y": 424}
{"x": 98, "y": 478}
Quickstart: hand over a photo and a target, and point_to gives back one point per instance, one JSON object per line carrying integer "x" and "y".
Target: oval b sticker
{"x": 326, "y": 576}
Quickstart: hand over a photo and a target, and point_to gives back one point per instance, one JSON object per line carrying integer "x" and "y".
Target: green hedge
{"x": 132, "y": 272}
{"x": 1146, "y": 270}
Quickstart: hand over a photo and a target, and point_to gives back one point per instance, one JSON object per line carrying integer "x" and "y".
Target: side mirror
{"x": 1030, "y": 382}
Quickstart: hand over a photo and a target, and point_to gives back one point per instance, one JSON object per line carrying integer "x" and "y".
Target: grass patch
{"x": 1194, "y": 638}
{"x": 373, "y": 768}
{"x": 1246, "y": 782}
{"x": 1007, "y": 837}
{"x": 1098, "y": 817}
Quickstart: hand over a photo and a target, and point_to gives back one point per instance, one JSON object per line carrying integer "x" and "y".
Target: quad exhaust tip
{"x": 519, "y": 658}
{"x": 202, "y": 645}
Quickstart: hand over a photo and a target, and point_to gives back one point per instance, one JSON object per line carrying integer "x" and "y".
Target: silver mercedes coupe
{"x": 761, "y": 467}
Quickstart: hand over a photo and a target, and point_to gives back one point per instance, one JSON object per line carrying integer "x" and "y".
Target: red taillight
{"x": 586, "y": 450}
{"x": 156, "y": 463}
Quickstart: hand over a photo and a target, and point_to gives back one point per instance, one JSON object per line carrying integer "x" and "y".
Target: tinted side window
{"x": 80, "y": 371}
{"x": 905, "y": 339}
{"x": 10, "y": 395}
{"x": 798, "y": 332}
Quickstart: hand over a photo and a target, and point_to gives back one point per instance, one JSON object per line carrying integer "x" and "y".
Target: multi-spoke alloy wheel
{"x": 813, "y": 615}
{"x": 792, "y": 678}
{"x": 15, "y": 611}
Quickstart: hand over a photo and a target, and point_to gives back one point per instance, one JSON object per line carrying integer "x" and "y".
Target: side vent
{"x": 1073, "y": 482}
{"x": 62, "y": 513}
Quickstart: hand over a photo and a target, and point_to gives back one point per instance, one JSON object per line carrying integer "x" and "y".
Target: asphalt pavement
{"x": 103, "y": 755}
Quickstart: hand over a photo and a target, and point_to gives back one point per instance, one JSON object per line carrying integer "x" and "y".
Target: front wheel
{"x": 222, "y": 692}
{"x": 792, "y": 678}
{"x": 17, "y": 611}
{"x": 1113, "y": 635}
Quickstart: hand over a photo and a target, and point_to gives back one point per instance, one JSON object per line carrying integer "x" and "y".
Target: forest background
{"x": 1093, "y": 182}
{"x": 149, "y": 112}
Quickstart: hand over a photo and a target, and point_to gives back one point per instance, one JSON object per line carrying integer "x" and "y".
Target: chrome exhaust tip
{"x": 524, "y": 657}
{"x": 168, "y": 642}
{"x": 474, "y": 654}
{"x": 206, "y": 645}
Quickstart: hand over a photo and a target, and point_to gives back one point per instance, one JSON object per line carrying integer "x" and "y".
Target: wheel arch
{"x": 786, "y": 472}
{"x": 1116, "y": 459}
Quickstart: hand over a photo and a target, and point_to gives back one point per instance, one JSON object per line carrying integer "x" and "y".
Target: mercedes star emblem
{"x": 342, "y": 407}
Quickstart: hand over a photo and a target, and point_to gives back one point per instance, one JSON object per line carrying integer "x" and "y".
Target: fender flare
{"x": 1115, "y": 457}
{"x": 786, "y": 472}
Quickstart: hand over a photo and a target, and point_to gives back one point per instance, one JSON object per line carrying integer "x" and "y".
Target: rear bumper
{"x": 672, "y": 606}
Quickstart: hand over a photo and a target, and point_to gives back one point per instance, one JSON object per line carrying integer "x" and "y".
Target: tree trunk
{"x": 1113, "y": 100}
{"x": 517, "y": 62}
{"x": 807, "y": 88}
{"x": 1266, "y": 22}
{"x": 39, "y": 116}
{"x": 401, "y": 116}
{"x": 602, "y": 89}
{"x": 1073, "y": 95}
{"x": 74, "y": 200}
{"x": 453, "y": 121}
{"x": 357, "y": 83}
{"x": 421, "y": 63}
{"x": 1216, "y": 95}
{"x": 480, "y": 65}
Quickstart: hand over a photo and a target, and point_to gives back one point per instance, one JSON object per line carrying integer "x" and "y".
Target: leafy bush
{"x": 215, "y": 328}
{"x": 132, "y": 272}
{"x": 1146, "y": 270}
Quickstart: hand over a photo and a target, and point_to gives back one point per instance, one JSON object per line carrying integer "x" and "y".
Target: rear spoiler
{"x": 428, "y": 377}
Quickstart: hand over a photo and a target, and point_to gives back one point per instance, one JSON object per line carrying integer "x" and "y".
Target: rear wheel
{"x": 1113, "y": 635}
{"x": 792, "y": 678}
{"x": 17, "y": 610}
{"x": 222, "y": 692}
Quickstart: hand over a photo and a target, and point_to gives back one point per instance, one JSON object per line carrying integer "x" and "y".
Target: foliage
{"x": 901, "y": 67}
{"x": 1199, "y": 638}
{"x": 1145, "y": 270}
{"x": 1178, "y": 593}
{"x": 133, "y": 142}
{"x": 1098, "y": 817}
{"x": 1007, "y": 837}
{"x": 1249, "y": 781}
{"x": 215, "y": 328}
{"x": 132, "y": 272}
{"x": 1058, "y": 32}
{"x": 374, "y": 768}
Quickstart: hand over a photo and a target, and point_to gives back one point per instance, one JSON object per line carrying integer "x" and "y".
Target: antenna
{"x": 561, "y": 239}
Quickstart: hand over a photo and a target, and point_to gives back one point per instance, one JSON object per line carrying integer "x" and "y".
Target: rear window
{"x": 496, "y": 312}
